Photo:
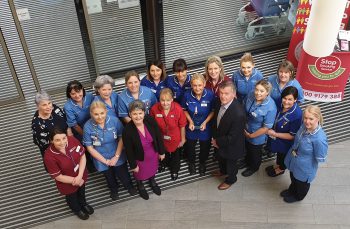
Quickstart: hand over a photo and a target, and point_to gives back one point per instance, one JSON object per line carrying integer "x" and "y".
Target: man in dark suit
{"x": 228, "y": 137}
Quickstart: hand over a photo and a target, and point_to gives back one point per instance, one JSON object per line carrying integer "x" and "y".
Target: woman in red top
{"x": 66, "y": 163}
{"x": 214, "y": 74}
{"x": 171, "y": 120}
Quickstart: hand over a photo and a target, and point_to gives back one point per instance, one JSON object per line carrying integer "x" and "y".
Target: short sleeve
{"x": 270, "y": 117}
{"x": 52, "y": 166}
{"x": 295, "y": 125}
{"x": 320, "y": 148}
{"x": 71, "y": 118}
{"x": 153, "y": 99}
{"x": 122, "y": 107}
{"x": 182, "y": 117}
{"x": 87, "y": 135}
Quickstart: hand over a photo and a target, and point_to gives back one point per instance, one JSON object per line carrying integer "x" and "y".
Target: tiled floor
{"x": 251, "y": 203}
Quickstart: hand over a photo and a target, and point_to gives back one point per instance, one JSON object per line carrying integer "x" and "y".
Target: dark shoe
{"x": 273, "y": 173}
{"x": 285, "y": 193}
{"x": 88, "y": 209}
{"x": 155, "y": 188}
{"x": 82, "y": 215}
{"x": 143, "y": 193}
{"x": 241, "y": 164}
{"x": 224, "y": 186}
{"x": 132, "y": 191}
{"x": 192, "y": 168}
{"x": 290, "y": 199}
{"x": 114, "y": 196}
{"x": 174, "y": 176}
{"x": 248, "y": 172}
{"x": 217, "y": 173}
{"x": 161, "y": 167}
{"x": 269, "y": 168}
{"x": 202, "y": 169}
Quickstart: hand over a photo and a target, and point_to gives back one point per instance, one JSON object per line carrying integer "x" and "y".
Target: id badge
{"x": 115, "y": 135}
{"x": 76, "y": 168}
{"x": 204, "y": 105}
{"x": 96, "y": 143}
{"x": 294, "y": 153}
{"x": 167, "y": 137}
{"x": 77, "y": 149}
{"x": 159, "y": 115}
{"x": 197, "y": 127}
{"x": 272, "y": 137}
{"x": 254, "y": 114}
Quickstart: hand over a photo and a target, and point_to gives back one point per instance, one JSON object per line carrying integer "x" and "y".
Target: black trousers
{"x": 121, "y": 172}
{"x": 77, "y": 199}
{"x": 298, "y": 188}
{"x": 172, "y": 160}
{"x": 253, "y": 157}
{"x": 229, "y": 167}
{"x": 204, "y": 148}
{"x": 280, "y": 160}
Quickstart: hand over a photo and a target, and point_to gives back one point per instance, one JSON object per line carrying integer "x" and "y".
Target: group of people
{"x": 144, "y": 128}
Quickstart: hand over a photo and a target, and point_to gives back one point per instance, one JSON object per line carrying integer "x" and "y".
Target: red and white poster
{"x": 301, "y": 19}
{"x": 323, "y": 79}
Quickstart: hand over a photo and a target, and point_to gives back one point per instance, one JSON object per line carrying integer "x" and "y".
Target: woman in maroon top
{"x": 171, "y": 120}
{"x": 214, "y": 74}
{"x": 65, "y": 161}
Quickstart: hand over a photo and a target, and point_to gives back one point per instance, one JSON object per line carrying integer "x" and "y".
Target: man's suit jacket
{"x": 229, "y": 134}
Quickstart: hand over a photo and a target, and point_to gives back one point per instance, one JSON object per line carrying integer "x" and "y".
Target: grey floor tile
{"x": 320, "y": 194}
{"x": 183, "y": 192}
{"x": 207, "y": 190}
{"x": 160, "y": 224}
{"x": 152, "y": 209}
{"x": 341, "y": 194}
{"x": 332, "y": 214}
{"x": 262, "y": 192}
{"x": 249, "y": 212}
{"x": 113, "y": 225}
{"x": 117, "y": 212}
{"x": 296, "y": 213}
{"x": 333, "y": 176}
{"x": 196, "y": 210}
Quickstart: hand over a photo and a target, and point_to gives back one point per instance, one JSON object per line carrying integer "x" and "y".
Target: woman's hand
{"x": 113, "y": 161}
{"x": 182, "y": 142}
{"x": 161, "y": 157}
{"x": 272, "y": 133}
{"x": 136, "y": 170}
{"x": 213, "y": 142}
{"x": 191, "y": 126}
{"x": 77, "y": 180}
{"x": 247, "y": 134}
{"x": 203, "y": 126}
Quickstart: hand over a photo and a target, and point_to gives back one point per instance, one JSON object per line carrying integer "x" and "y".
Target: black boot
{"x": 155, "y": 188}
{"x": 192, "y": 168}
{"x": 142, "y": 191}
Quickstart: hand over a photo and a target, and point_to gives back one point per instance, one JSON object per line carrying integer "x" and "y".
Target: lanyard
{"x": 299, "y": 140}
{"x": 103, "y": 132}
{"x": 71, "y": 158}
{"x": 278, "y": 118}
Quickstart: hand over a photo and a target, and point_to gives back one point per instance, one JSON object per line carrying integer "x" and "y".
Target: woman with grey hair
{"x": 45, "y": 119}
{"x": 104, "y": 92}
{"x": 144, "y": 146}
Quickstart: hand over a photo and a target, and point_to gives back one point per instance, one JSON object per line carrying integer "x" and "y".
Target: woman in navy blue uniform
{"x": 246, "y": 77}
{"x": 155, "y": 78}
{"x": 287, "y": 123}
{"x": 103, "y": 140}
{"x": 45, "y": 119}
{"x": 261, "y": 112}
{"x": 285, "y": 77}
{"x": 104, "y": 92}
{"x": 180, "y": 81}
{"x": 309, "y": 149}
{"x": 134, "y": 91}
{"x": 198, "y": 106}
{"x": 77, "y": 107}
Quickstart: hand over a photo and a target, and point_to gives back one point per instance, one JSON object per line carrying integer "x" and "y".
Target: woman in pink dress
{"x": 144, "y": 146}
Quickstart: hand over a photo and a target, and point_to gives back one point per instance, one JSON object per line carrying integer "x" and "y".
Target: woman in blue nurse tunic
{"x": 198, "y": 106}
{"x": 309, "y": 149}
{"x": 261, "y": 112}
{"x": 103, "y": 140}
{"x": 155, "y": 78}
{"x": 132, "y": 92}
{"x": 285, "y": 77}
{"x": 104, "y": 92}
{"x": 287, "y": 123}
{"x": 77, "y": 107}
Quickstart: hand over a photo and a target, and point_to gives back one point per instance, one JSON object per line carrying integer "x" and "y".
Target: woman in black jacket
{"x": 143, "y": 145}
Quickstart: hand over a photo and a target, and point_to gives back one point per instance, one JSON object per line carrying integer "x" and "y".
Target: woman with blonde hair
{"x": 261, "y": 112}
{"x": 199, "y": 110}
{"x": 214, "y": 74}
{"x": 309, "y": 149}
{"x": 246, "y": 77}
